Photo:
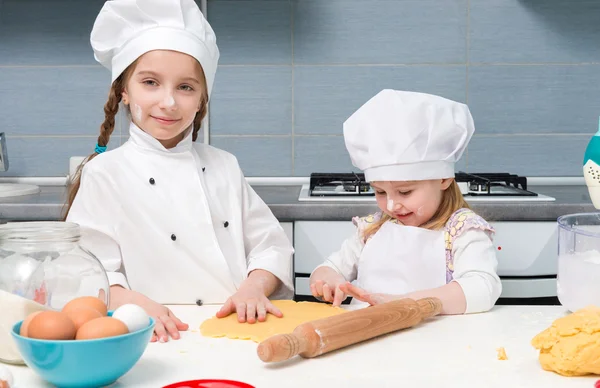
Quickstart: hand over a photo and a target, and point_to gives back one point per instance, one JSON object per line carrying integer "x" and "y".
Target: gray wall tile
{"x": 261, "y": 155}
{"x": 535, "y": 99}
{"x": 329, "y": 154}
{"x": 379, "y": 31}
{"x": 554, "y": 155}
{"x": 530, "y": 31}
{"x": 321, "y": 154}
{"x": 325, "y": 96}
{"x": 44, "y": 32}
{"x": 46, "y": 156}
{"x": 325, "y": 58}
{"x": 252, "y": 32}
{"x": 53, "y": 100}
{"x": 254, "y": 100}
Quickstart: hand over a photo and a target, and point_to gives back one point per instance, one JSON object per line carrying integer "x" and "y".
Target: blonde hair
{"x": 107, "y": 127}
{"x": 452, "y": 200}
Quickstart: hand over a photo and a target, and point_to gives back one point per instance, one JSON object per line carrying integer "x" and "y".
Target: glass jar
{"x": 578, "y": 278}
{"x": 42, "y": 267}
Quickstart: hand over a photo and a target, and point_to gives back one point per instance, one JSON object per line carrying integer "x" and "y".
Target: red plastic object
{"x": 597, "y": 385}
{"x": 209, "y": 384}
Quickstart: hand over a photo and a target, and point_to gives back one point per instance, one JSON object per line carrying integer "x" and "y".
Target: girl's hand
{"x": 249, "y": 303}
{"x": 325, "y": 284}
{"x": 166, "y": 323}
{"x": 364, "y": 296}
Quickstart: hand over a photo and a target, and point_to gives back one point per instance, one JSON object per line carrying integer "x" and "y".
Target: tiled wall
{"x": 292, "y": 71}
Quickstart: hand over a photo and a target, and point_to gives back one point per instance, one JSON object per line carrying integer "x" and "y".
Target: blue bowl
{"x": 83, "y": 363}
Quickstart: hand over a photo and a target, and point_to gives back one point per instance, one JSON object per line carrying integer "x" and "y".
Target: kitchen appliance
{"x": 312, "y": 339}
{"x": 579, "y": 260}
{"x": 475, "y": 187}
{"x": 591, "y": 169}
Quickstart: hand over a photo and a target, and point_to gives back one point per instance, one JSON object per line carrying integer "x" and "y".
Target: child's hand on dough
{"x": 325, "y": 284}
{"x": 250, "y": 302}
{"x": 364, "y": 296}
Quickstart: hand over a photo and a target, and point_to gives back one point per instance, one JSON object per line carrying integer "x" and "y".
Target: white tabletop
{"x": 456, "y": 351}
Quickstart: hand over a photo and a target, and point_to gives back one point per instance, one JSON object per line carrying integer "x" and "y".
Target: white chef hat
{"x": 404, "y": 136}
{"x": 126, "y": 29}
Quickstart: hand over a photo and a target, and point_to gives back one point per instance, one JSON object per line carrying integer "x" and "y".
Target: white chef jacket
{"x": 475, "y": 266}
{"x": 180, "y": 224}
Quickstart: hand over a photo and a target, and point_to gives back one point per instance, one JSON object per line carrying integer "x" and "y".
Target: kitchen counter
{"x": 283, "y": 201}
{"x": 452, "y": 351}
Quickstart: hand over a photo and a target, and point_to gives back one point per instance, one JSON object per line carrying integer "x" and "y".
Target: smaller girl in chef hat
{"x": 187, "y": 226}
{"x": 424, "y": 241}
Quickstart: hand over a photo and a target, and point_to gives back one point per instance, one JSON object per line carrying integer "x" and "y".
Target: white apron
{"x": 401, "y": 259}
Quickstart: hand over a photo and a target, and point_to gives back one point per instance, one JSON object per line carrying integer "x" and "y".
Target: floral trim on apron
{"x": 460, "y": 221}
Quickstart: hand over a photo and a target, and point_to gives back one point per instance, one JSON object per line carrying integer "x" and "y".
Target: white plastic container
{"x": 578, "y": 280}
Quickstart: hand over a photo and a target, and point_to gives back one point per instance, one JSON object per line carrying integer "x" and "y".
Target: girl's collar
{"x": 145, "y": 141}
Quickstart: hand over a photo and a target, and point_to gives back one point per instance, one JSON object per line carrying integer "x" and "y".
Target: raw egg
{"x": 100, "y": 328}
{"x": 51, "y": 325}
{"x": 81, "y": 315}
{"x": 90, "y": 302}
{"x": 133, "y": 316}
{"x": 26, "y": 323}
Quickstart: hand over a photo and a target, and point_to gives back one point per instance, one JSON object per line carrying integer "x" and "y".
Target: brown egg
{"x": 26, "y": 322}
{"x": 90, "y": 302}
{"x": 81, "y": 315}
{"x": 100, "y": 328}
{"x": 52, "y": 325}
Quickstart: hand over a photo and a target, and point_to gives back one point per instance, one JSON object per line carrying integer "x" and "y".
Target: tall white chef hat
{"x": 404, "y": 136}
{"x": 126, "y": 29}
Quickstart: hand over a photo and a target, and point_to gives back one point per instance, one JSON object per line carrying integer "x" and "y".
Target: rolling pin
{"x": 312, "y": 339}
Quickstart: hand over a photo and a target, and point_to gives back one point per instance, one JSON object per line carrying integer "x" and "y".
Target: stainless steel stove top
{"x": 476, "y": 187}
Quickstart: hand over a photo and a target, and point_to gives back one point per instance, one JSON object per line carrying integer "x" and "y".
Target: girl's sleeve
{"x": 475, "y": 266}
{"x": 95, "y": 210}
{"x": 267, "y": 246}
{"x": 345, "y": 260}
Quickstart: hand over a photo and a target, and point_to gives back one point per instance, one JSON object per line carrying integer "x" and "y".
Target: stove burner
{"x": 326, "y": 184}
{"x": 502, "y": 184}
{"x": 474, "y": 184}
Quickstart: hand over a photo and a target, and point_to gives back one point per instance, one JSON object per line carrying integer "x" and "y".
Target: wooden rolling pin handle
{"x": 282, "y": 347}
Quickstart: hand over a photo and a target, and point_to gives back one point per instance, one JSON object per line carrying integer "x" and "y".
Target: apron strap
{"x": 362, "y": 223}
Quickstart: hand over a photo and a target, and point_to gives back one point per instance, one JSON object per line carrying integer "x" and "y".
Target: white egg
{"x": 6, "y": 376}
{"x": 133, "y": 316}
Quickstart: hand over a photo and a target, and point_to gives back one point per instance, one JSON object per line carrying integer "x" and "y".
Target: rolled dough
{"x": 294, "y": 313}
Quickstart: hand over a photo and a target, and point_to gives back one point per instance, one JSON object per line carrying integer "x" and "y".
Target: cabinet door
{"x": 526, "y": 249}
{"x": 288, "y": 228}
{"x": 314, "y": 241}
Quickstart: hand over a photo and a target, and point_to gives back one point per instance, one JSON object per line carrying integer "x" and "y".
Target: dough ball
{"x": 571, "y": 346}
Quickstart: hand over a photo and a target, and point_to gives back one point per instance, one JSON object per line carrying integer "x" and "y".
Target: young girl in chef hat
{"x": 424, "y": 241}
{"x": 173, "y": 222}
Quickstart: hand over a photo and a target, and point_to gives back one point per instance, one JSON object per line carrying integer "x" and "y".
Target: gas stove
{"x": 475, "y": 187}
